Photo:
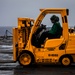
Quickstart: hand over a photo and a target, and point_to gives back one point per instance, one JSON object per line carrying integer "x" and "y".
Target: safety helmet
{"x": 54, "y": 18}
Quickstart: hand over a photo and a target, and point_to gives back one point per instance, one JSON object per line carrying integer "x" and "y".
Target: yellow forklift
{"x": 57, "y": 50}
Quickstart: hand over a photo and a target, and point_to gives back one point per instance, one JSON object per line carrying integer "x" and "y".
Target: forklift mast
{"x": 21, "y": 33}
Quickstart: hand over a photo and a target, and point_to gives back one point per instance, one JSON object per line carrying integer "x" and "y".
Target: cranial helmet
{"x": 54, "y": 18}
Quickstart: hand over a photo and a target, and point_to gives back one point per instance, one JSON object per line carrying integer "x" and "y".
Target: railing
{"x": 6, "y": 39}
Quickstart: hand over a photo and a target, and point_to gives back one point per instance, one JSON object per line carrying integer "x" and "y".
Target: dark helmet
{"x": 54, "y": 18}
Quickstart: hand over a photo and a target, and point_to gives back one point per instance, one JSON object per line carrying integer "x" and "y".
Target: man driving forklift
{"x": 54, "y": 32}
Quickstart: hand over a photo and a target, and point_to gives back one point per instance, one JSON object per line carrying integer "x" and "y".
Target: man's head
{"x": 54, "y": 19}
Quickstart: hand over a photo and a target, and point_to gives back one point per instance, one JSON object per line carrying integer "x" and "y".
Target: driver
{"x": 54, "y": 32}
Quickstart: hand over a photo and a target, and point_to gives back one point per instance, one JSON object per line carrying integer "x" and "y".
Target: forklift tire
{"x": 25, "y": 59}
{"x": 66, "y": 61}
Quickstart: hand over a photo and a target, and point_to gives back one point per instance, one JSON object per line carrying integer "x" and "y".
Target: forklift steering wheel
{"x": 35, "y": 36}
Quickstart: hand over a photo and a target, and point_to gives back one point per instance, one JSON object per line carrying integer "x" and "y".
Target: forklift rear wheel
{"x": 25, "y": 59}
{"x": 66, "y": 61}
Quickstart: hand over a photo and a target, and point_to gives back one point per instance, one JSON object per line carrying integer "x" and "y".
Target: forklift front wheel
{"x": 25, "y": 59}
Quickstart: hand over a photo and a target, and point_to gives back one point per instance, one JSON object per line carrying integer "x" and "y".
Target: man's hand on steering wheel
{"x": 43, "y": 26}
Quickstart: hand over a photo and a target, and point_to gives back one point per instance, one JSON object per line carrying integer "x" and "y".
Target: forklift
{"x": 56, "y": 50}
